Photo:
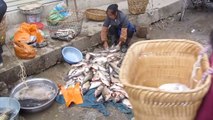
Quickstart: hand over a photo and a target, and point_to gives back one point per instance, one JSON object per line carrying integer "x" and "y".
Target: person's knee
{"x": 1, "y": 49}
{"x": 130, "y": 34}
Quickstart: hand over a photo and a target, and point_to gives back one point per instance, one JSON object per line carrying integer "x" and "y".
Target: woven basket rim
{"x": 194, "y": 90}
{"x": 91, "y": 9}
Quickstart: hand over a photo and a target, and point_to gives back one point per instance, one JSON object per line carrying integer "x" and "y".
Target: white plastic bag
{"x": 174, "y": 87}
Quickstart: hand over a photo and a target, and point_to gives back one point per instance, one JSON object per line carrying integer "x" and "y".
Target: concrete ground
{"x": 196, "y": 26}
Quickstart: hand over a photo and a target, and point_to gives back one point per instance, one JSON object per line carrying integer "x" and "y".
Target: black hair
{"x": 113, "y": 8}
{"x": 211, "y": 38}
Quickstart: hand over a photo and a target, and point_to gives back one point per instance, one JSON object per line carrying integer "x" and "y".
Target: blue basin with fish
{"x": 35, "y": 95}
{"x": 10, "y": 105}
{"x": 72, "y": 55}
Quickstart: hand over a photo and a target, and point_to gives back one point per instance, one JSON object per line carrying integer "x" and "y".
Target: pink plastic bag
{"x": 206, "y": 109}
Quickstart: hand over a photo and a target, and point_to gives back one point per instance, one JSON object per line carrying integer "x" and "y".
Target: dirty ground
{"x": 196, "y": 26}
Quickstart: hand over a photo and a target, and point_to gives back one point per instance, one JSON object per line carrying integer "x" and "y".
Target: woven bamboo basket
{"x": 3, "y": 30}
{"x": 73, "y": 21}
{"x": 137, "y": 6}
{"x": 149, "y": 64}
{"x": 95, "y": 14}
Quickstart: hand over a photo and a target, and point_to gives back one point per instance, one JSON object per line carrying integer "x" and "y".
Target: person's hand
{"x": 120, "y": 43}
{"x": 112, "y": 47}
{"x": 106, "y": 46}
{"x": 117, "y": 47}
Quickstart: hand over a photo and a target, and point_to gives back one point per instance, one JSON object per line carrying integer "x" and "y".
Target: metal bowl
{"x": 10, "y": 103}
{"x": 32, "y": 82}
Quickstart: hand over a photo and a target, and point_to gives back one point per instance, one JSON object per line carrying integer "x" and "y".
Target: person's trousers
{"x": 1, "y": 51}
{"x": 114, "y": 36}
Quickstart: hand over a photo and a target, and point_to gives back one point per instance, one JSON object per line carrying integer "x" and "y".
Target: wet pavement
{"x": 196, "y": 26}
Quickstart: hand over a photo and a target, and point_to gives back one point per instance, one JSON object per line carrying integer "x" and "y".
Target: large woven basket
{"x": 3, "y": 30}
{"x": 137, "y": 6}
{"x": 95, "y": 14}
{"x": 149, "y": 64}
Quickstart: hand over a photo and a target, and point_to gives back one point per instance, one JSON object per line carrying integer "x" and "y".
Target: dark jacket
{"x": 3, "y": 9}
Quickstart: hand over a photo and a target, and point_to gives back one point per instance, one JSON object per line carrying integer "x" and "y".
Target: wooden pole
{"x": 76, "y": 9}
{"x": 66, "y": 1}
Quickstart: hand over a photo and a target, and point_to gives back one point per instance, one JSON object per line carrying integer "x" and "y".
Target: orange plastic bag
{"x": 72, "y": 94}
{"x": 24, "y": 51}
{"x": 22, "y": 36}
{"x": 27, "y": 30}
{"x": 40, "y": 38}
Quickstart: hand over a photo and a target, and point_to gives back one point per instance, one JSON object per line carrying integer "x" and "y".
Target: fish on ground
{"x": 88, "y": 77}
{"x": 86, "y": 87}
{"x": 87, "y": 57}
{"x": 127, "y": 103}
{"x": 95, "y": 84}
{"x": 100, "y": 70}
{"x": 106, "y": 93}
{"x": 117, "y": 96}
{"x": 99, "y": 90}
{"x": 74, "y": 73}
{"x": 104, "y": 78}
{"x": 115, "y": 68}
{"x": 100, "y": 99}
{"x": 96, "y": 77}
{"x": 114, "y": 80}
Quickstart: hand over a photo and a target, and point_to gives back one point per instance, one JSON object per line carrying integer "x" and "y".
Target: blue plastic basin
{"x": 72, "y": 55}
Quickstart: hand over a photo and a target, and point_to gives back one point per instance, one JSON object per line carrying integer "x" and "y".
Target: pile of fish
{"x": 64, "y": 34}
{"x": 100, "y": 70}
